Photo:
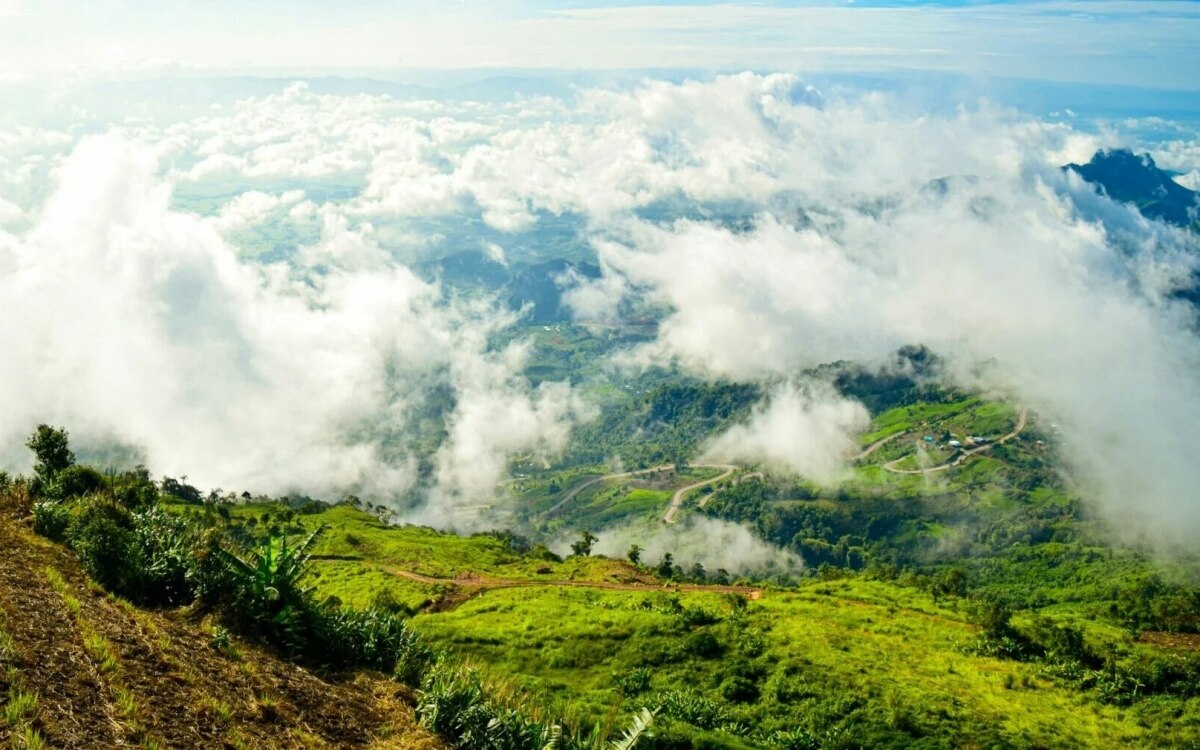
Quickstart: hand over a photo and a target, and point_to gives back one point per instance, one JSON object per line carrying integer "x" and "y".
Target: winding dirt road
{"x": 878, "y": 444}
{"x": 574, "y": 491}
{"x": 1022, "y": 417}
{"x": 677, "y": 499}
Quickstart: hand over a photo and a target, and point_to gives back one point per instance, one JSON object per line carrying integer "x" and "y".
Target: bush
{"x": 102, "y": 534}
{"x": 703, "y": 644}
{"x": 692, "y": 708}
{"x": 75, "y": 481}
{"x": 371, "y": 639}
{"x": 455, "y": 704}
{"x": 385, "y": 600}
{"x": 633, "y": 682}
{"x": 134, "y": 489}
{"x": 50, "y": 519}
{"x": 738, "y": 689}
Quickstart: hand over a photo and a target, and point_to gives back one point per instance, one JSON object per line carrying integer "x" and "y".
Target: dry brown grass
{"x": 110, "y": 675}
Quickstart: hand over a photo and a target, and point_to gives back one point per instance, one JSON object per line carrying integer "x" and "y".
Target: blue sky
{"x": 1113, "y": 42}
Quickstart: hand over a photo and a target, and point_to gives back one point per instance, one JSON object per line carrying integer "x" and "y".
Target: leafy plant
{"x": 50, "y": 519}
{"x": 102, "y": 534}
{"x": 638, "y": 728}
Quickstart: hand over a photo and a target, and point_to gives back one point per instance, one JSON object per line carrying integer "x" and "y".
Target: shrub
{"x": 50, "y": 519}
{"x": 633, "y": 682}
{"x": 454, "y": 704}
{"x": 691, "y": 708}
{"x": 134, "y": 489}
{"x": 794, "y": 739}
{"x": 75, "y": 481}
{"x": 738, "y": 689}
{"x": 102, "y": 535}
{"x": 703, "y": 644}
{"x": 371, "y": 639}
{"x": 385, "y": 600}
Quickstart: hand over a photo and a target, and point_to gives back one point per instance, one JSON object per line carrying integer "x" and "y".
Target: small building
{"x": 929, "y": 438}
{"x": 954, "y": 443}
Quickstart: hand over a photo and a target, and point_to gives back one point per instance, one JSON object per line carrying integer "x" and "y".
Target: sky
{"x": 1118, "y": 42}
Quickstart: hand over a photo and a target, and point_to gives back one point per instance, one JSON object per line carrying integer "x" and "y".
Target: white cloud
{"x": 808, "y": 430}
{"x": 133, "y": 321}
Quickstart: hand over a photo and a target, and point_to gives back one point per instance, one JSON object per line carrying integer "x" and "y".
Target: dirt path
{"x": 488, "y": 582}
{"x": 677, "y": 499}
{"x": 878, "y": 444}
{"x": 574, "y": 491}
{"x": 1022, "y": 417}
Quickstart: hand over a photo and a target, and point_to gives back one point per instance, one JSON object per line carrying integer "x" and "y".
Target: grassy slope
{"x": 824, "y": 642}
{"x": 890, "y": 645}
{"x": 106, "y": 674}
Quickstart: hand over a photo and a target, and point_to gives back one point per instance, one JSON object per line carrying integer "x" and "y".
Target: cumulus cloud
{"x": 495, "y": 416}
{"x": 808, "y": 430}
{"x": 129, "y": 320}
{"x": 879, "y": 244}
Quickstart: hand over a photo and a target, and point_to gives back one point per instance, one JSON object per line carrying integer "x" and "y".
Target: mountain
{"x": 541, "y": 286}
{"x": 1133, "y": 178}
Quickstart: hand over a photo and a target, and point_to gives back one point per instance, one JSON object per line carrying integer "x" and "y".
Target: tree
{"x": 583, "y": 547}
{"x": 634, "y": 554}
{"x": 951, "y": 582}
{"x": 52, "y": 452}
{"x": 666, "y": 566}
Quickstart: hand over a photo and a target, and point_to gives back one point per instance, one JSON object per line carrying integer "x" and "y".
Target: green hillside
{"x": 957, "y": 592}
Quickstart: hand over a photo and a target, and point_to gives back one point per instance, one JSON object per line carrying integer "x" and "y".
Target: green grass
{"x": 808, "y": 650}
{"x": 355, "y": 535}
{"x": 361, "y": 585}
{"x": 21, "y": 706}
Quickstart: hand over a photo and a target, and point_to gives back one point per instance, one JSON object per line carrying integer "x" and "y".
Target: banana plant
{"x": 269, "y": 576}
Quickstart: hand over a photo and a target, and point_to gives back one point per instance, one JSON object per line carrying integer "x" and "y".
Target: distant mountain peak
{"x": 1134, "y": 178}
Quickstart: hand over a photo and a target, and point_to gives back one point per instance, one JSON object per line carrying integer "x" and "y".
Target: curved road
{"x": 1021, "y": 419}
{"x": 878, "y": 444}
{"x": 677, "y": 500}
{"x": 597, "y": 480}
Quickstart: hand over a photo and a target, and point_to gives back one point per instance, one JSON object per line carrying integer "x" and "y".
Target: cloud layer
{"x": 232, "y": 292}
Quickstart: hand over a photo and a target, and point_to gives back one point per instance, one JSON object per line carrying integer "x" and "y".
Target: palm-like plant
{"x": 639, "y": 727}
{"x": 267, "y": 580}
{"x": 273, "y": 571}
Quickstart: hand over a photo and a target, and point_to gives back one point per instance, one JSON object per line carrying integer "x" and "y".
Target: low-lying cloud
{"x": 714, "y": 543}
{"x": 807, "y": 429}
{"x": 130, "y": 321}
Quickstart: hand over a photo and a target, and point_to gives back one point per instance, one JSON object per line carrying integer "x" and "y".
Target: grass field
{"x": 852, "y": 662}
